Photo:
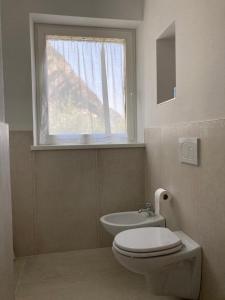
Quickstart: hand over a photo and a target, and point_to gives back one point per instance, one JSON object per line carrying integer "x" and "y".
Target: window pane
{"x": 86, "y": 85}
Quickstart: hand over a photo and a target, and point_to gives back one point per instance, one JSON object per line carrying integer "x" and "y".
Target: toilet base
{"x": 177, "y": 274}
{"x": 176, "y": 280}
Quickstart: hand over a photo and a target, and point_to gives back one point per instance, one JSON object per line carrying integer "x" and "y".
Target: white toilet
{"x": 170, "y": 261}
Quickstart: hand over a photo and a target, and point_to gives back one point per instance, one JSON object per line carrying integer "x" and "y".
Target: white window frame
{"x": 129, "y": 35}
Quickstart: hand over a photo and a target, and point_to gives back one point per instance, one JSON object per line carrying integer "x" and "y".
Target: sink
{"x": 117, "y": 222}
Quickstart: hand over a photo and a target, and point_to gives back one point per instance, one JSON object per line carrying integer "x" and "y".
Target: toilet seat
{"x": 147, "y": 242}
{"x": 146, "y": 254}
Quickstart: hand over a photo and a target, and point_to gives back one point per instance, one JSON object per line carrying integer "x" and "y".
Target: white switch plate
{"x": 188, "y": 150}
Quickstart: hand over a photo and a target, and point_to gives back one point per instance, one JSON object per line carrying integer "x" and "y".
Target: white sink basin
{"x": 117, "y": 222}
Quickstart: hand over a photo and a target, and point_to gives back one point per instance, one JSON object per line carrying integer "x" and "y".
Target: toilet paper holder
{"x": 161, "y": 195}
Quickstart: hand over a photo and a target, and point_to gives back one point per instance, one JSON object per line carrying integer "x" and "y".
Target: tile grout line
{"x": 99, "y": 196}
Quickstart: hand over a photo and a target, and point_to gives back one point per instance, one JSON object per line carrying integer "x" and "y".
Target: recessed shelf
{"x": 166, "y": 65}
{"x": 167, "y": 101}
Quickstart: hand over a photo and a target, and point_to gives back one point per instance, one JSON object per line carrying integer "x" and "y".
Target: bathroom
{"x": 54, "y": 189}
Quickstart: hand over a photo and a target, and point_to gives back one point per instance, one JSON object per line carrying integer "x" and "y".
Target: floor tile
{"x": 79, "y": 275}
{"x": 18, "y": 268}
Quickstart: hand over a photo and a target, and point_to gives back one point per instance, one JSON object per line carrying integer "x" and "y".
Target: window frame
{"x": 129, "y": 35}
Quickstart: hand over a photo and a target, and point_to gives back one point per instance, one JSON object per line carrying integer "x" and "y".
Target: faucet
{"x": 149, "y": 209}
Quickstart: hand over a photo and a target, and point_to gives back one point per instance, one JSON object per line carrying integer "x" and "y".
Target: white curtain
{"x": 85, "y": 96}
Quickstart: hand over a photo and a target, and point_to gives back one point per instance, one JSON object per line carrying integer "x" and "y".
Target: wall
{"x": 16, "y": 51}
{"x": 6, "y": 247}
{"x": 200, "y": 60}
{"x": 2, "y": 104}
{"x": 59, "y": 196}
{"x": 198, "y": 205}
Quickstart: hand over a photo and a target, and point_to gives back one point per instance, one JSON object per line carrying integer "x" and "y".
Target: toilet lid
{"x": 148, "y": 254}
{"x": 148, "y": 239}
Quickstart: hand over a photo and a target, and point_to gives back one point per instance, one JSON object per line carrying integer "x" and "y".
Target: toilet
{"x": 170, "y": 261}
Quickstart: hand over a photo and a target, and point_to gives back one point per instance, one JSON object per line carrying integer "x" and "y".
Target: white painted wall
{"x": 2, "y": 107}
{"x": 200, "y": 48}
{"x": 16, "y": 51}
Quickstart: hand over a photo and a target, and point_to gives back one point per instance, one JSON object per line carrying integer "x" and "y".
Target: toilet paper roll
{"x": 161, "y": 195}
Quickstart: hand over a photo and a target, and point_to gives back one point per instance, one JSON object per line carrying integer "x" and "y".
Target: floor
{"x": 78, "y": 275}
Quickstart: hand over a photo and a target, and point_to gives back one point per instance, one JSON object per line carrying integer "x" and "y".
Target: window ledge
{"x": 91, "y": 146}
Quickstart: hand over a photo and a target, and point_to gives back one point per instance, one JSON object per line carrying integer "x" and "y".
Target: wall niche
{"x": 166, "y": 65}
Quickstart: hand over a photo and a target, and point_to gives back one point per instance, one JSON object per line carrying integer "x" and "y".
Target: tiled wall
{"x": 198, "y": 206}
{"x": 58, "y": 196}
{"x": 6, "y": 248}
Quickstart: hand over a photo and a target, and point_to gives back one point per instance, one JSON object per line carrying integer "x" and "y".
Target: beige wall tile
{"x": 105, "y": 239}
{"x": 121, "y": 175}
{"x": 6, "y": 247}
{"x": 59, "y": 196}
{"x": 22, "y": 192}
{"x": 153, "y": 159}
{"x": 66, "y": 195}
{"x": 211, "y": 209}
{"x": 198, "y": 205}
{"x": 179, "y": 179}
{"x": 121, "y": 182}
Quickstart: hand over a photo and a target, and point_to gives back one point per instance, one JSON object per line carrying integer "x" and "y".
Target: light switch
{"x": 188, "y": 150}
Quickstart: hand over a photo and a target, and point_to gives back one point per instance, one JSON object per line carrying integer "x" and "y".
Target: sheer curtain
{"x": 85, "y": 95}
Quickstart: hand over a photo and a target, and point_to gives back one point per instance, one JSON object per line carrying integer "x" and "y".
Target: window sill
{"x": 91, "y": 146}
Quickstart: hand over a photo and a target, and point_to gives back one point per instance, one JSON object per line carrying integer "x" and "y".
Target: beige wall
{"x": 198, "y": 205}
{"x": 2, "y": 106}
{"x": 59, "y": 196}
{"x": 6, "y": 245}
{"x": 16, "y": 51}
{"x": 200, "y": 60}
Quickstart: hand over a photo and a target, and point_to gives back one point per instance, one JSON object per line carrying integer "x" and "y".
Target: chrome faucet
{"x": 149, "y": 209}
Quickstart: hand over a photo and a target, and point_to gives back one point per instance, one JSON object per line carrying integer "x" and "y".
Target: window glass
{"x": 86, "y": 85}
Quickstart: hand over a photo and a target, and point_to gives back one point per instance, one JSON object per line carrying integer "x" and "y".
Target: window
{"x": 85, "y": 85}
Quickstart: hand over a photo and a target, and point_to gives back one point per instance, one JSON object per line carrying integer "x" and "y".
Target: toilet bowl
{"x": 170, "y": 261}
